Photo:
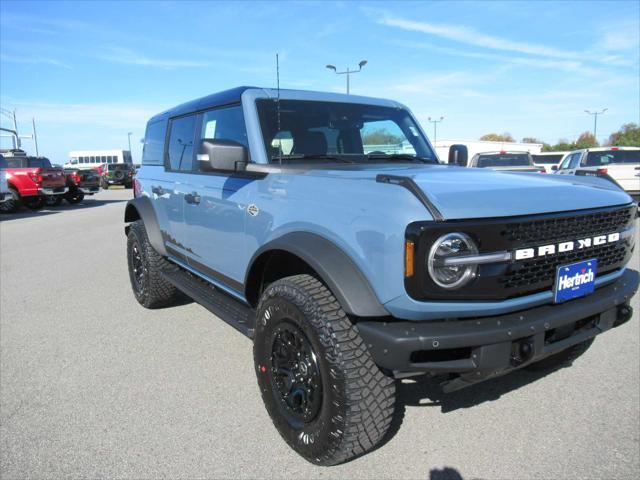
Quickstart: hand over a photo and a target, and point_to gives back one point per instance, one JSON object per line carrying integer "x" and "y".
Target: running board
{"x": 237, "y": 314}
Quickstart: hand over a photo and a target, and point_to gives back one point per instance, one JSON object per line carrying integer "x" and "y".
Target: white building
{"x": 94, "y": 158}
{"x": 481, "y": 146}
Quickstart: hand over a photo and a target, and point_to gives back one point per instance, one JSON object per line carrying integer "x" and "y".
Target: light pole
{"x": 595, "y": 120}
{"x": 12, "y": 116}
{"x": 348, "y": 72}
{"x": 129, "y": 137}
{"x": 435, "y": 128}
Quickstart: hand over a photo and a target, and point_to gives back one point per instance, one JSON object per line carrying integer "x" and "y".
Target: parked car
{"x": 5, "y": 193}
{"x": 350, "y": 270}
{"x": 117, "y": 174}
{"x": 506, "y": 161}
{"x": 80, "y": 182}
{"x": 622, "y": 164}
{"x": 31, "y": 180}
{"x": 548, "y": 160}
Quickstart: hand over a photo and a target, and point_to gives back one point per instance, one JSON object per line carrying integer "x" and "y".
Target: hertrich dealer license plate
{"x": 575, "y": 280}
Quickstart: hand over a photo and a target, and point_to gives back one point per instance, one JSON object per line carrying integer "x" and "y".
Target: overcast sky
{"x": 90, "y": 72}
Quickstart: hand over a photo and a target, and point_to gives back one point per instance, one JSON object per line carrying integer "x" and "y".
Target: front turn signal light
{"x": 408, "y": 258}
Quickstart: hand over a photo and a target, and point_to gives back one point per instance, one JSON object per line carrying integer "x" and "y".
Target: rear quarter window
{"x": 153, "y": 150}
{"x": 598, "y": 159}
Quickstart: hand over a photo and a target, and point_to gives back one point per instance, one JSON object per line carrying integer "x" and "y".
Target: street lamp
{"x": 129, "y": 137}
{"x": 435, "y": 127}
{"x": 348, "y": 71}
{"x": 595, "y": 120}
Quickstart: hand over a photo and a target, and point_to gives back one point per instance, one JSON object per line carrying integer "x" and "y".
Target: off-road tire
{"x": 75, "y": 198}
{"x": 155, "y": 291}
{"x": 35, "y": 203}
{"x": 357, "y": 398}
{"x": 13, "y": 205}
{"x": 561, "y": 359}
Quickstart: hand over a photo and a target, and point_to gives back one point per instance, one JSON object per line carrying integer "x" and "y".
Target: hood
{"x": 464, "y": 193}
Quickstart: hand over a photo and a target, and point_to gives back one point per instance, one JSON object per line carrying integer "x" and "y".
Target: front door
{"x": 216, "y": 206}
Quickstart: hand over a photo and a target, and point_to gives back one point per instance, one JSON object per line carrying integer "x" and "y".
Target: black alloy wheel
{"x": 139, "y": 270}
{"x": 295, "y": 373}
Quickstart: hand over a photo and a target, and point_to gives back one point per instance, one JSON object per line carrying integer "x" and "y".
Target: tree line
{"x": 627, "y": 136}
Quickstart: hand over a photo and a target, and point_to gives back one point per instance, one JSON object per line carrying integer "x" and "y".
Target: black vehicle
{"x": 117, "y": 174}
{"x": 81, "y": 183}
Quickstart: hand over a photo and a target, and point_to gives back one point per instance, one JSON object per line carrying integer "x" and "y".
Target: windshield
{"x": 331, "y": 131}
{"x": 597, "y": 159}
{"x": 504, "y": 160}
{"x": 547, "y": 159}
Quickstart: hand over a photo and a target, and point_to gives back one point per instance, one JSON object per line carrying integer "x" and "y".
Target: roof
{"x": 219, "y": 99}
{"x": 234, "y": 95}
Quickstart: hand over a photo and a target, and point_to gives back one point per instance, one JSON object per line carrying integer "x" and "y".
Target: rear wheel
{"x": 75, "y": 198}
{"x": 35, "y": 203}
{"x": 13, "y": 204}
{"x": 565, "y": 357}
{"x": 54, "y": 200}
{"x": 325, "y": 395}
{"x": 146, "y": 265}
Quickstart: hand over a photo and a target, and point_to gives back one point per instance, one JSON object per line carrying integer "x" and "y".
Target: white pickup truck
{"x": 622, "y": 164}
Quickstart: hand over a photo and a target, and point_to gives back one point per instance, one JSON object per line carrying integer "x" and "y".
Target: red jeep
{"x": 31, "y": 180}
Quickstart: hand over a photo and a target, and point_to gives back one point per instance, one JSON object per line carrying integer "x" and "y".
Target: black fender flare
{"x": 141, "y": 208}
{"x": 335, "y": 269}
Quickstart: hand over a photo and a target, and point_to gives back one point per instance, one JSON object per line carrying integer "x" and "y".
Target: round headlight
{"x": 448, "y": 246}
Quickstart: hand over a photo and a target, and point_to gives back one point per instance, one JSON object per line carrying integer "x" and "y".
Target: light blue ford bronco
{"x": 324, "y": 227}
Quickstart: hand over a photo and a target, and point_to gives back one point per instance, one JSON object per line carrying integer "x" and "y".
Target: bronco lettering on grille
{"x": 552, "y": 249}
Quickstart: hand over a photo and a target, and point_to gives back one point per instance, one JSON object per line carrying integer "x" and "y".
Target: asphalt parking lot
{"x": 93, "y": 385}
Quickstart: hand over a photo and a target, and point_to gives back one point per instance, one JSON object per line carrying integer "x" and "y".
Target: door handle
{"x": 192, "y": 198}
{"x": 157, "y": 190}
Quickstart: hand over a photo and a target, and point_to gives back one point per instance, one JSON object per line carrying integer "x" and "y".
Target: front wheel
{"x": 324, "y": 394}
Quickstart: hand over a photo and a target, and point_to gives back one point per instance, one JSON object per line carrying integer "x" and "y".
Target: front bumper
{"x": 53, "y": 191}
{"x": 477, "y": 349}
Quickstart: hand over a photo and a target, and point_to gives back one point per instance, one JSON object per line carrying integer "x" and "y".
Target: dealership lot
{"x": 93, "y": 385}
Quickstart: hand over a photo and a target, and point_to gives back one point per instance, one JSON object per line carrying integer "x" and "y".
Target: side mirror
{"x": 458, "y": 155}
{"x": 554, "y": 167}
{"x": 224, "y": 155}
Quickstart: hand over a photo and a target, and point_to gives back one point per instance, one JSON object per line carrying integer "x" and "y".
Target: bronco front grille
{"x": 550, "y": 230}
{"x": 513, "y": 279}
{"x": 539, "y": 273}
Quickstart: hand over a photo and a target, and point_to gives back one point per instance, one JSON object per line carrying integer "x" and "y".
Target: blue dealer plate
{"x": 575, "y": 280}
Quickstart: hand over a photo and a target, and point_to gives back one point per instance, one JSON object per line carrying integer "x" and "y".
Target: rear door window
{"x": 181, "y": 137}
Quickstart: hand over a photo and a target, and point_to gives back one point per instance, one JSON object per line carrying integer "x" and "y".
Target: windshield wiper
{"x": 397, "y": 156}
{"x": 309, "y": 156}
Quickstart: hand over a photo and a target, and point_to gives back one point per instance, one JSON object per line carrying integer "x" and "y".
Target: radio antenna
{"x": 278, "y": 108}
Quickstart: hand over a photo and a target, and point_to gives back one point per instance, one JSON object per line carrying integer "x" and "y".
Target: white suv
{"x": 620, "y": 163}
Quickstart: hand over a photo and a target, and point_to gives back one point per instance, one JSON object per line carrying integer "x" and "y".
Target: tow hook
{"x": 625, "y": 312}
{"x": 521, "y": 351}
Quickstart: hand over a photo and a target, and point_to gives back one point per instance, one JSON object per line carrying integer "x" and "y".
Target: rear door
{"x": 215, "y": 205}
{"x": 169, "y": 189}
